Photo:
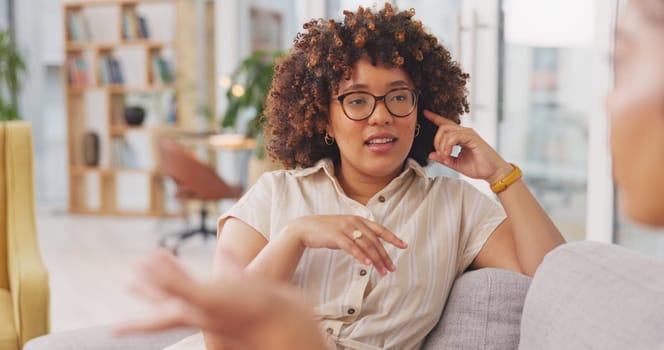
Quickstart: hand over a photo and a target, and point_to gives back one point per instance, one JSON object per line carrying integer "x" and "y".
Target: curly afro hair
{"x": 297, "y": 106}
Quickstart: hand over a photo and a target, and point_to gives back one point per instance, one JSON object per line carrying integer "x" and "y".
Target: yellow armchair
{"x": 24, "y": 292}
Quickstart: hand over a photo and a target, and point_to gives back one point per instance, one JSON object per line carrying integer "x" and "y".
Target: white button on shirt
{"x": 445, "y": 222}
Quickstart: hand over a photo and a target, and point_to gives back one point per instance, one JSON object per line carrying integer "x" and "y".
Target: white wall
{"x": 39, "y": 37}
{"x": 233, "y": 32}
{"x": 600, "y": 202}
{"x": 4, "y": 18}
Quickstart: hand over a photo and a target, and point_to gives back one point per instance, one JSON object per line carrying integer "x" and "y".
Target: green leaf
{"x": 12, "y": 67}
{"x": 254, "y": 74}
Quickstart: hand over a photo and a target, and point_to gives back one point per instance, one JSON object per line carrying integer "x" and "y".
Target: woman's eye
{"x": 356, "y": 101}
{"x": 399, "y": 98}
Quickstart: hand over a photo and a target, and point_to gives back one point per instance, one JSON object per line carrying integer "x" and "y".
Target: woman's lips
{"x": 381, "y": 144}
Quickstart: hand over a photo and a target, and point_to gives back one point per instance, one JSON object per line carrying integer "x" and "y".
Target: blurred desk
{"x": 231, "y": 142}
{"x": 231, "y": 153}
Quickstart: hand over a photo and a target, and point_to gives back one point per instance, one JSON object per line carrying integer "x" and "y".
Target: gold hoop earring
{"x": 417, "y": 129}
{"x": 329, "y": 140}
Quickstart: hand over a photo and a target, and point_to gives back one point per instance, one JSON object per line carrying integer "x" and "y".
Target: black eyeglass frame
{"x": 414, "y": 92}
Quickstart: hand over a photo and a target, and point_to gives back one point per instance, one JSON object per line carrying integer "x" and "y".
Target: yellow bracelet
{"x": 501, "y": 185}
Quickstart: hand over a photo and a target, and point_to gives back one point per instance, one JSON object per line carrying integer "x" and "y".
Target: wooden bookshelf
{"x": 119, "y": 51}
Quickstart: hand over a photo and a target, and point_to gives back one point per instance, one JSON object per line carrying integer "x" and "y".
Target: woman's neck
{"x": 360, "y": 187}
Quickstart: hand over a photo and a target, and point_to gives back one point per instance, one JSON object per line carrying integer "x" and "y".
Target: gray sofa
{"x": 584, "y": 296}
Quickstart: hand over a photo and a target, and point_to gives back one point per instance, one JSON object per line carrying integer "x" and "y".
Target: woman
{"x": 357, "y": 108}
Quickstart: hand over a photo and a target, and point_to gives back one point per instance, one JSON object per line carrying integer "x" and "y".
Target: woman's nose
{"x": 380, "y": 114}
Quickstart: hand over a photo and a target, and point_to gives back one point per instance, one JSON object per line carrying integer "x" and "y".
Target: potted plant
{"x": 250, "y": 83}
{"x": 12, "y": 66}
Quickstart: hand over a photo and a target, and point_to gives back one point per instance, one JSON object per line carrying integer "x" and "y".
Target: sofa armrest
{"x": 28, "y": 279}
{"x": 483, "y": 311}
{"x": 589, "y": 295}
{"x": 30, "y": 293}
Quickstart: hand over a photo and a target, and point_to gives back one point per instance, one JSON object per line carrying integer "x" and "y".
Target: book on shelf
{"x": 77, "y": 71}
{"x": 162, "y": 72}
{"x": 134, "y": 26}
{"x": 124, "y": 156}
{"x": 172, "y": 115}
{"x": 116, "y": 71}
{"x": 143, "y": 31}
{"x": 110, "y": 71}
{"x": 79, "y": 28}
{"x": 128, "y": 23}
{"x": 104, "y": 73}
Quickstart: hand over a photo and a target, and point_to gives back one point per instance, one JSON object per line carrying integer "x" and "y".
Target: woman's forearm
{"x": 279, "y": 258}
{"x": 534, "y": 232}
{"x": 275, "y": 258}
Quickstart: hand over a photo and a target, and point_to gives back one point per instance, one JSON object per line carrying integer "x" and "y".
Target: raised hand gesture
{"x": 477, "y": 159}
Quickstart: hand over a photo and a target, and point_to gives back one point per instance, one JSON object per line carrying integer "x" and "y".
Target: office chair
{"x": 195, "y": 180}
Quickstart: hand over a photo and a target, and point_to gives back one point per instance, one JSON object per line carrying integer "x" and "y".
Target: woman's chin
{"x": 385, "y": 167}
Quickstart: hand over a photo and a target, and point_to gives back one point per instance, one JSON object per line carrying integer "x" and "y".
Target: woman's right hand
{"x": 356, "y": 235}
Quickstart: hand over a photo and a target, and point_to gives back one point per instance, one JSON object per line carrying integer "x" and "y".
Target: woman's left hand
{"x": 476, "y": 159}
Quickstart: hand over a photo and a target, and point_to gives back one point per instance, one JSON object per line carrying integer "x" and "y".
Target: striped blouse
{"x": 445, "y": 222}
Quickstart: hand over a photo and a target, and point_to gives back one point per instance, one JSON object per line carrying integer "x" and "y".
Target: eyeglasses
{"x": 359, "y": 105}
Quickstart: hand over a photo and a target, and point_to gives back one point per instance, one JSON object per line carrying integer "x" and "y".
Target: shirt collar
{"x": 417, "y": 168}
{"x": 327, "y": 165}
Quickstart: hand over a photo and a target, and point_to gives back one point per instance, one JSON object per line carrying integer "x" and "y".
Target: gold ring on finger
{"x": 356, "y": 234}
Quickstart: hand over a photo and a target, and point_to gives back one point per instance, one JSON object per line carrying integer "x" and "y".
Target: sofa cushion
{"x": 483, "y": 311}
{"x": 589, "y": 295}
